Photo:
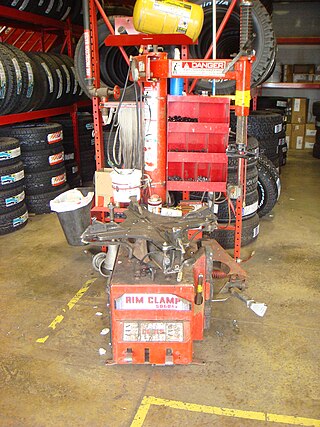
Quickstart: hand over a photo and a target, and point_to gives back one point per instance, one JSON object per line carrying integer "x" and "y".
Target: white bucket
{"x": 126, "y": 183}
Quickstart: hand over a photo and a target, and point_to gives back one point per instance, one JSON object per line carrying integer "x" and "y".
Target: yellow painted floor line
{"x": 148, "y": 401}
{"x": 58, "y": 319}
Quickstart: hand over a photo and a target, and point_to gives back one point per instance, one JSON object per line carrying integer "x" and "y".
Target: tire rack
{"x": 41, "y": 35}
{"x": 92, "y": 57}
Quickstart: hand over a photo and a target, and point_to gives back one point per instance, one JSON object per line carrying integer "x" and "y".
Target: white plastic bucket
{"x": 126, "y": 183}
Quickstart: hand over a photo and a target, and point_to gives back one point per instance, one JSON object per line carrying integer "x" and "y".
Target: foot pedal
{"x": 128, "y": 356}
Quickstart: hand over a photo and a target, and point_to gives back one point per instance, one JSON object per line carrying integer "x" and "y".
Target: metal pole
{"x": 87, "y": 42}
{"x": 219, "y": 32}
{"x": 214, "y": 41}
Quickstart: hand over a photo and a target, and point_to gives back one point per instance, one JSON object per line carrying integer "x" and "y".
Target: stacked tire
{"x": 262, "y": 193}
{"x": 281, "y": 106}
{"x": 43, "y": 158}
{"x": 34, "y": 81}
{"x": 13, "y": 210}
{"x": 86, "y": 145}
{"x": 267, "y": 128}
{"x": 316, "y": 112}
{"x": 56, "y": 9}
{"x": 269, "y": 186}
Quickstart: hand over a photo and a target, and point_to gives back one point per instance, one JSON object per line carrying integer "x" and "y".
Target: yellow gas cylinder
{"x": 168, "y": 17}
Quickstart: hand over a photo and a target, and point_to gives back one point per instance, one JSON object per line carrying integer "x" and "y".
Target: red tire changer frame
{"x": 156, "y": 315}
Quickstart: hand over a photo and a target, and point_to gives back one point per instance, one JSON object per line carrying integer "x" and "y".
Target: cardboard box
{"x": 311, "y": 130}
{"x": 308, "y": 145}
{"x": 287, "y": 73}
{"x": 299, "y": 110}
{"x": 302, "y": 78}
{"x": 297, "y": 136}
{"x": 310, "y": 136}
{"x": 288, "y": 134}
{"x": 103, "y": 187}
{"x": 303, "y": 68}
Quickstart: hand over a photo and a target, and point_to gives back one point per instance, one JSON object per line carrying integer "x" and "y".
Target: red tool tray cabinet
{"x": 196, "y": 157}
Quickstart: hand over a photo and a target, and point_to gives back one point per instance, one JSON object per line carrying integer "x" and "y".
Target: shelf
{"x": 298, "y": 40}
{"x": 41, "y": 114}
{"x": 11, "y": 17}
{"x": 291, "y": 85}
{"x": 219, "y": 187}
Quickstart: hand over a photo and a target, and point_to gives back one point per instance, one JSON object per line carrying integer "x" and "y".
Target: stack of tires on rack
{"x": 262, "y": 193}
{"x": 13, "y": 210}
{"x": 42, "y": 159}
{"x": 55, "y": 9}
{"x": 316, "y": 112}
{"x": 35, "y": 81}
{"x": 86, "y": 145}
{"x": 278, "y": 105}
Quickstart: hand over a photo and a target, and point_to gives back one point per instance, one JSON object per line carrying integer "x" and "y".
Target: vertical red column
{"x": 93, "y": 60}
{"x": 242, "y": 105}
{"x": 155, "y": 144}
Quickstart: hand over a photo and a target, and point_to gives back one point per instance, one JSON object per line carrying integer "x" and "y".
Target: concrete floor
{"x": 270, "y": 365}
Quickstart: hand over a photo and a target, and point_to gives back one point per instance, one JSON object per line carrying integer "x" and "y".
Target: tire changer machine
{"x": 161, "y": 270}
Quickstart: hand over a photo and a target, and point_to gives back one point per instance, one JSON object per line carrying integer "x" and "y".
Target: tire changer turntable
{"x": 160, "y": 270}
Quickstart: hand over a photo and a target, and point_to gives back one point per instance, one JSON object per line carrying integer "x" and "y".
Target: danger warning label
{"x": 198, "y": 68}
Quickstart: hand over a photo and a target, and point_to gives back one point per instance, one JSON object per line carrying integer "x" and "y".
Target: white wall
{"x": 297, "y": 20}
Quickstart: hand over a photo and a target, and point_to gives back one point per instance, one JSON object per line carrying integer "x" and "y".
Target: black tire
{"x": 253, "y": 148}
{"x": 69, "y": 156}
{"x": 267, "y": 188}
{"x": 10, "y": 151}
{"x": 50, "y": 11}
{"x": 251, "y": 178}
{"x": 41, "y": 94}
{"x": 268, "y": 4}
{"x": 40, "y": 203}
{"x": 87, "y": 171}
{"x": 43, "y": 160}
{"x": 85, "y": 124}
{"x": 14, "y": 220}
{"x": 75, "y": 182}
{"x": 229, "y": 43}
{"x": 39, "y": 7}
{"x": 11, "y": 176}
{"x": 66, "y": 97}
{"x": 55, "y": 79}
{"x": 266, "y": 126}
{"x": 76, "y": 15}
{"x": 68, "y": 66}
{"x": 273, "y": 102}
{"x": 316, "y": 150}
{"x": 73, "y": 177}
{"x": 261, "y": 124}
{"x": 72, "y": 169}
{"x": 250, "y": 232}
{"x": 22, "y": 4}
{"x": 316, "y": 108}
{"x": 44, "y": 182}
{"x": 12, "y": 199}
{"x": 248, "y": 211}
{"x": 24, "y": 78}
{"x": 8, "y": 83}
{"x": 34, "y": 136}
{"x": 63, "y": 11}
{"x": 112, "y": 63}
